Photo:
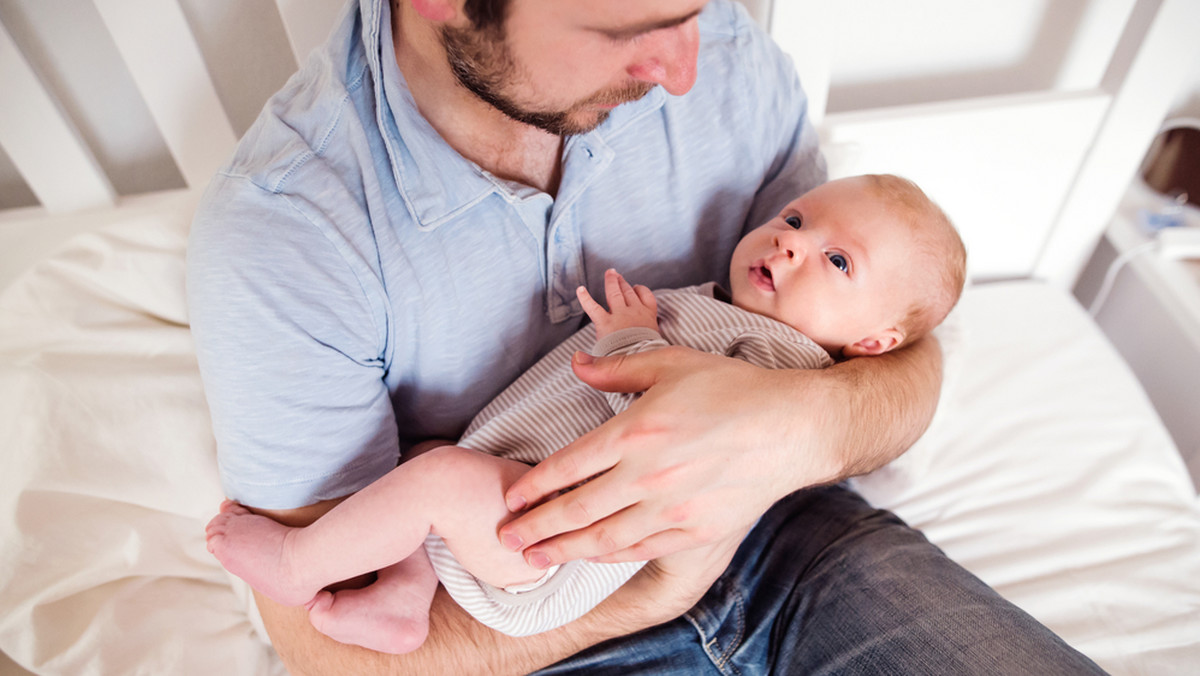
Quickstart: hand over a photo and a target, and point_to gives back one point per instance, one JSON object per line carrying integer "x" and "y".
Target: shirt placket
{"x": 586, "y": 157}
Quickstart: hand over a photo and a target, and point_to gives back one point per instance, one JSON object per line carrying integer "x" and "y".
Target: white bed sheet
{"x": 1045, "y": 472}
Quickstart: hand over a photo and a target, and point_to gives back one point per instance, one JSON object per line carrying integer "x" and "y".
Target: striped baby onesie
{"x": 548, "y": 407}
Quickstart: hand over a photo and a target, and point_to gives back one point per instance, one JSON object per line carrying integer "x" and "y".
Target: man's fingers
{"x": 618, "y": 532}
{"x": 582, "y": 459}
{"x": 658, "y": 544}
{"x": 570, "y": 511}
{"x": 635, "y": 372}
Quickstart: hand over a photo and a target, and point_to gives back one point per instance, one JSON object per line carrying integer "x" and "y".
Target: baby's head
{"x": 860, "y": 265}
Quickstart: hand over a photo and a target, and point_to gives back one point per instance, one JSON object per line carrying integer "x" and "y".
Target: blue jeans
{"x": 826, "y": 584}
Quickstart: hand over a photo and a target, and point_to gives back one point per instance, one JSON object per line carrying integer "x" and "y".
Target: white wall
{"x": 934, "y": 50}
{"x": 1187, "y": 103}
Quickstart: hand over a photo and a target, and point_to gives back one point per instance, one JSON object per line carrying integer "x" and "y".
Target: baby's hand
{"x": 630, "y": 306}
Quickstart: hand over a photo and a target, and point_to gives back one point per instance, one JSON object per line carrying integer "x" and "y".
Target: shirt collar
{"x": 434, "y": 180}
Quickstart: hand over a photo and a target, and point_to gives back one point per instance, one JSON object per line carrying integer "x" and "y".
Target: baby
{"x": 855, "y": 267}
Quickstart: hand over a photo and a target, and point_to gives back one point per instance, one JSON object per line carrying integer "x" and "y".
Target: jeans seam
{"x": 722, "y": 661}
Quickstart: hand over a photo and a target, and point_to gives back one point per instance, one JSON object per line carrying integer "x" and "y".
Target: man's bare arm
{"x": 458, "y": 644}
{"x": 711, "y": 445}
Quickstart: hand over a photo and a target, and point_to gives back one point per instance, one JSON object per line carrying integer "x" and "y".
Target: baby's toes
{"x": 231, "y": 507}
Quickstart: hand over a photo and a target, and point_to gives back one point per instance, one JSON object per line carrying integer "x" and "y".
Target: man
{"x": 400, "y": 235}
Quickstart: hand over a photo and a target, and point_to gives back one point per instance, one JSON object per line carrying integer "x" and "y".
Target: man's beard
{"x": 484, "y": 65}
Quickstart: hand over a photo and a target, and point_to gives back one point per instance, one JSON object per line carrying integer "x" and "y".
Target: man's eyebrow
{"x": 626, "y": 32}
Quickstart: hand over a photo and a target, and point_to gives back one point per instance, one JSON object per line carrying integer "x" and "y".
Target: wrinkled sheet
{"x": 1046, "y": 473}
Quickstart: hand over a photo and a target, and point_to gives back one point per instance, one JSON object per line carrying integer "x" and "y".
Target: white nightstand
{"x": 1152, "y": 316}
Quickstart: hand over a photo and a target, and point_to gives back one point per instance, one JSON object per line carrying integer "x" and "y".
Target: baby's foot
{"x": 389, "y": 616}
{"x": 254, "y": 548}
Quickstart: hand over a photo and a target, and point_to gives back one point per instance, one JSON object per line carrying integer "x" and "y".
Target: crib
{"x": 1046, "y": 471}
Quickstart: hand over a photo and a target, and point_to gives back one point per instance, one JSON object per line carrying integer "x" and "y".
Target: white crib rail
{"x": 1143, "y": 79}
{"x": 157, "y": 45}
{"x": 1064, "y": 154}
{"x": 45, "y": 145}
{"x": 162, "y": 56}
{"x": 308, "y": 23}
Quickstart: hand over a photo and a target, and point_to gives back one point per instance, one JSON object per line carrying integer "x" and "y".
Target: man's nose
{"x": 670, "y": 57}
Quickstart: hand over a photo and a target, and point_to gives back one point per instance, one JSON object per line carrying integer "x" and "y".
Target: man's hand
{"x": 699, "y": 456}
{"x": 667, "y": 587}
{"x": 710, "y": 446}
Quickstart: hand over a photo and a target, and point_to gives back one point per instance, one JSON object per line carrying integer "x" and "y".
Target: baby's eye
{"x": 839, "y": 261}
{"x": 793, "y": 221}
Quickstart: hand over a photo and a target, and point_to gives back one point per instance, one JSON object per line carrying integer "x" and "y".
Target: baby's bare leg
{"x": 391, "y": 615}
{"x": 380, "y": 525}
{"x": 470, "y": 510}
{"x": 454, "y": 492}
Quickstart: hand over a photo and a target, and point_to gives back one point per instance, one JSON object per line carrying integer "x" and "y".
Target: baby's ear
{"x": 883, "y": 341}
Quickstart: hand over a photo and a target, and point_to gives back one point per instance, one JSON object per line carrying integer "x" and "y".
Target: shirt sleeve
{"x": 291, "y": 351}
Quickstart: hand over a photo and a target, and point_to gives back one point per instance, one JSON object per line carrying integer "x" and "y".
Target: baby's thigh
{"x": 467, "y": 488}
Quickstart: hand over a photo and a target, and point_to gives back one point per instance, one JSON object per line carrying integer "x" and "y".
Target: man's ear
{"x": 438, "y": 11}
{"x": 878, "y": 343}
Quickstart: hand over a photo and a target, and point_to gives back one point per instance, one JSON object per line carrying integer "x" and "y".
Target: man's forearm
{"x": 877, "y": 407}
{"x": 457, "y": 643}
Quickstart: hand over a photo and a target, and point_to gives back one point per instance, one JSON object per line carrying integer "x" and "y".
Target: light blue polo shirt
{"x": 356, "y": 285}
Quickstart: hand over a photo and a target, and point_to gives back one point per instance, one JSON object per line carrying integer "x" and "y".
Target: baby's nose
{"x": 791, "y": 246}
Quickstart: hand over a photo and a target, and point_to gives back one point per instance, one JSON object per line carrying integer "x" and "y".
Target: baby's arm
{"x": 629, "y": 306}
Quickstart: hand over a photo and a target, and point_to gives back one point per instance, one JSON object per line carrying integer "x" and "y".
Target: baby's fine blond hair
{"x": 939, "y": 268}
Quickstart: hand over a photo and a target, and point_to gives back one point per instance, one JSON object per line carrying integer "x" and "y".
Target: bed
{"x": 1046, "y": 471}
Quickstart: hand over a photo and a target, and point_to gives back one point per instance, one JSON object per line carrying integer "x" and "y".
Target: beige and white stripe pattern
{"x": 548, "y": 408}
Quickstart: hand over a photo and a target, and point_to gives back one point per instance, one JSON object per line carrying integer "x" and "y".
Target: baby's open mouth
{"x": 760, "y": 276}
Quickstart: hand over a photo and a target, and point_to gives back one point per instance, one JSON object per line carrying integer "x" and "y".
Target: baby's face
{"x": 832, "y": 265}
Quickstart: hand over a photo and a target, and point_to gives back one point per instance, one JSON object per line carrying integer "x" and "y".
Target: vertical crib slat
{"x": 157, "y": 45}
{"x": 1142, "y": 95}
{"x": 43, "y": 143}
{"x": 308, "y": 23}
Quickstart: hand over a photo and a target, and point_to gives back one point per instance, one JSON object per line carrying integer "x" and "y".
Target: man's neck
{"x": 500, "y": 145}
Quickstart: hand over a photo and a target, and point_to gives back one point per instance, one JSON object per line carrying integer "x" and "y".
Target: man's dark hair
{"x": 486, "y": 14}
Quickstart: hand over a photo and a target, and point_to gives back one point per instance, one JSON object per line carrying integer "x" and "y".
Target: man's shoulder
{"x": 724, "y": 20}
{"x": 738, "y": 63}
{"x": 307, "y": 117}
{"x": 726, "y": 26}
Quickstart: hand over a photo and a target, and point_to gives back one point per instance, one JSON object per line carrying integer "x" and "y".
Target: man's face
{"x": 562, "y": 65}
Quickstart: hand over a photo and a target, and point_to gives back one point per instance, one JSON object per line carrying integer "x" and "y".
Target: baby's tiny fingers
{"x": 589, "y": 304}
{"x": 612, "y": 289}
{"x": 645, "y": 295}
{"x": 627, "y": 292}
